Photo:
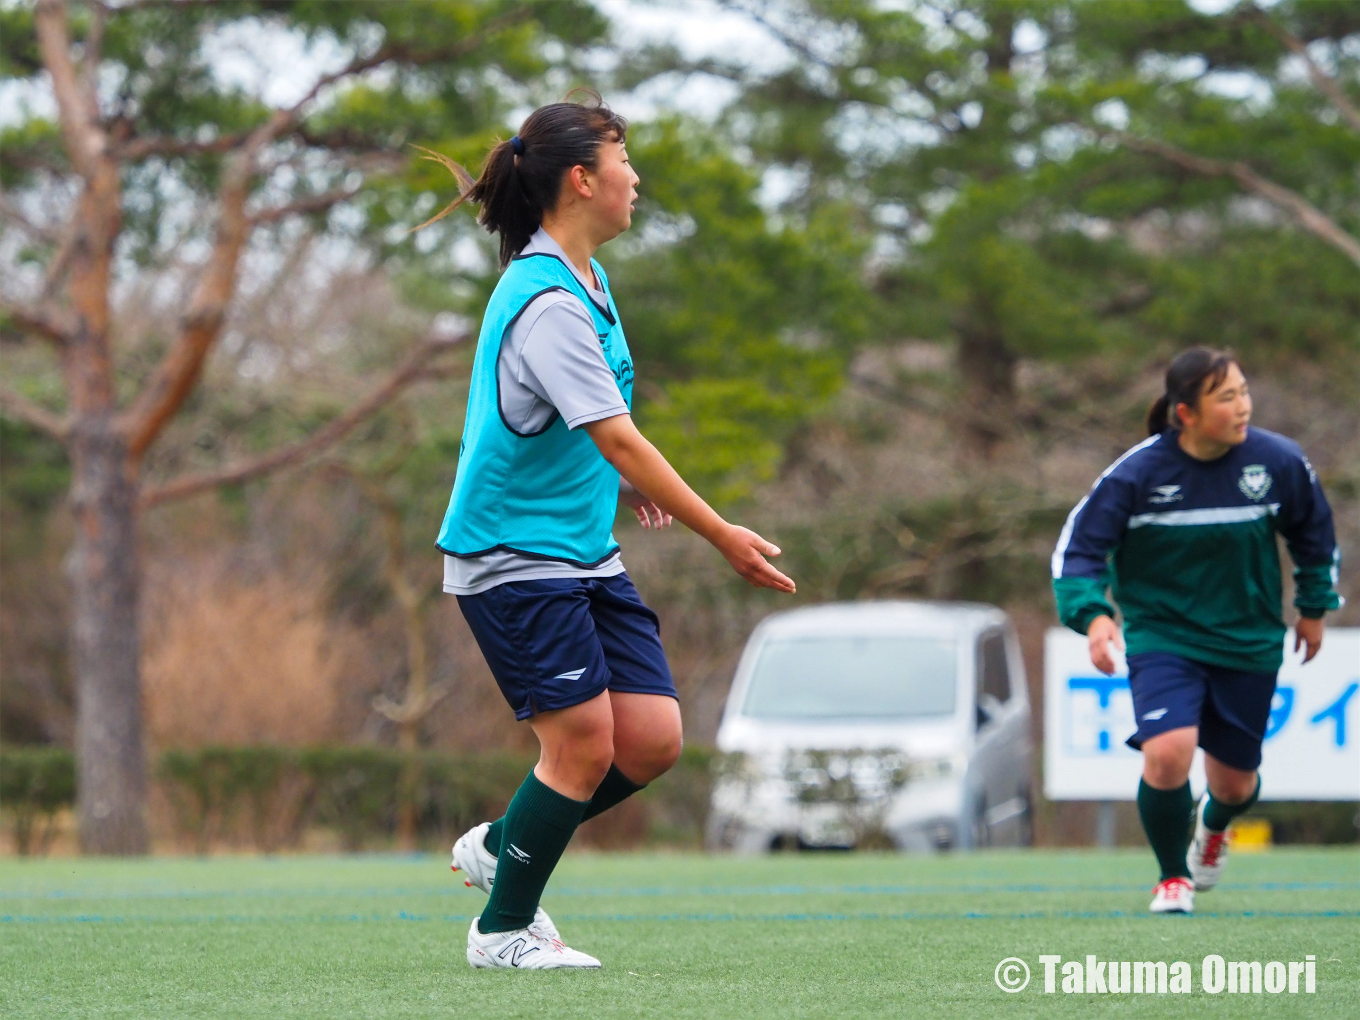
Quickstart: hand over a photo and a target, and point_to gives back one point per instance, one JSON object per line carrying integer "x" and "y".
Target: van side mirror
{"x": 987, "y": 709}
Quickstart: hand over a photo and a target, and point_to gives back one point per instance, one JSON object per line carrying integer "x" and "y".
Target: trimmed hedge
{"x": 266, "y": 797}
{"x": 35, "y": 784}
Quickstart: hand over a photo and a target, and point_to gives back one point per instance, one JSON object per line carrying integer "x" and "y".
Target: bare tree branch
{"x": 141, "y": 5}
{"x": 412, "y": 370}
{"x": 37, "y": 322}
{"x": 289, "y": 120}
{"x": 85, "y": 139}
{"x": 61, "y": 258}
{"x": 785, "y": 38}
{"x": 96, "y": 221}
{"x": 93, "y": 46}
{"x": 1323, "y": 82}
{"x": 163, "y": 145}
{"x": 310, "y": 204}
{"x": 1308, "y": 215}
{"x": 26, "y": 223}
{"x": 177, "y": 374}
{"x": 22, "y": 409}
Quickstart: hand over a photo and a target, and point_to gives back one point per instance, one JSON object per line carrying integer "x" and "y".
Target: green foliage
{"x": 207, "y": 786}
{"x": 34, "y": 471}
{"x": 355, "y": 789}
{"x": 1335, "y": 823}
{"x": 1272, "y": 302}
{"x": 988, "y": 544}
{"x": 740, "y": 327}
{"x": 266, "y": 796}
{"x": 35, "y": 784}
{"x": 679, "y": 800}
{"x": 454, "y": 70}
{"x": 279, "y": 791}
{"x": 1015, "y": 223}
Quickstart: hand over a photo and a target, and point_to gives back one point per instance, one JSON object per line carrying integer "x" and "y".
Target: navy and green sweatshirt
{"x": 1188, "y": 550}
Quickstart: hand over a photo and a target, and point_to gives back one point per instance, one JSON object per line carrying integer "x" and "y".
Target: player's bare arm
{"x": 649, "y": 472}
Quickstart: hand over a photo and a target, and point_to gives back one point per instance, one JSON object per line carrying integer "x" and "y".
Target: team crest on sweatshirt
{"x": 1255, "y": 481}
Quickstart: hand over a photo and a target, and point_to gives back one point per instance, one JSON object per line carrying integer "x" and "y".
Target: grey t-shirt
{"x": 550, "y": 363}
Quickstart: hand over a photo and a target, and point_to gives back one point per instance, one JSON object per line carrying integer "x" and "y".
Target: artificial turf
{"x": 811, "y": 935}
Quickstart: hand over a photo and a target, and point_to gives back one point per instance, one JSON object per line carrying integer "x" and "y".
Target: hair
{"x": 1185, "y": 384}
{"x": 520, "y": 183}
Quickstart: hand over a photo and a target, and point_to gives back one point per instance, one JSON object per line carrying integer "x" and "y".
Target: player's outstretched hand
{"x": 1308, "y": 632}
{"x": 1102, "y": 631}
{"x": 746, "y": 551}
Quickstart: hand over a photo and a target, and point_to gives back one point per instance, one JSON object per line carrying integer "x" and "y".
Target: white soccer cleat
{"x": 1208, "y": 851}
{"x": 524, "y": 948}
{"x": 1173, "y": 896}
{"x": 471, "y": 857}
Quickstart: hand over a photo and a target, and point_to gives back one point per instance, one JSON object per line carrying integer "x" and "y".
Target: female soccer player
{"x": 1185, "y": 525}
{"x": 527, "y": 542}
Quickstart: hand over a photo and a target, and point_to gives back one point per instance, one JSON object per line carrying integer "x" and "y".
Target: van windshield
{"x": 860, "y": 677}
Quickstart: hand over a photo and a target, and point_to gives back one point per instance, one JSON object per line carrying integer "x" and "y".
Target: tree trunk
{"x": 987, "y": 368}
{"x": 104, "y": 571}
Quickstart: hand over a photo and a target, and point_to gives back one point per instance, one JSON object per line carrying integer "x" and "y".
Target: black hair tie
{"x": 517, "y": 144}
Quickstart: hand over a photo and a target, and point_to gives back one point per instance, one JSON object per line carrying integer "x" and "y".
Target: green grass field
{"x": 812, "y": 935}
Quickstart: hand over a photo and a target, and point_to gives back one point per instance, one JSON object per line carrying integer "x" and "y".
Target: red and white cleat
{"x": 1208, "y": 851}
{"x": 471, "y": 857}
{"x": 1174, "y": 895}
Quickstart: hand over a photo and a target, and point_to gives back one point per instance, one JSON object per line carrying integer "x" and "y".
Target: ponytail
{"x": 522, "y": 177}
{"x": 1185, "y": 384}
{"x": 1156, "y": 416}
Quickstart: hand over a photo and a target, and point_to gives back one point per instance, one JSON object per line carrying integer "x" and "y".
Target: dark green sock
{"x": 1166, "y": 820}
{"x": 1218, "y": 815}
{"x": 538, "y": 826}
{"x": 614, "y": 788}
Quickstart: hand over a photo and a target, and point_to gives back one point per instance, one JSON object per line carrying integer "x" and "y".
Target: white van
{"x": 876, "y": 724}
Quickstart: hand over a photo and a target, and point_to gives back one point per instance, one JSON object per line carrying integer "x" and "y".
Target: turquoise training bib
{"x": 547, "y": 494}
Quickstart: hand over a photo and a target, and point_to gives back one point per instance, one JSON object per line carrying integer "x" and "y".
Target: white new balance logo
{"x": 574, "y": 674}
{"x": 517, "y": 950}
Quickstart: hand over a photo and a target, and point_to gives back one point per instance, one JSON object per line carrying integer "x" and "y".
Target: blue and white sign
{"x": 1312, "y": 747}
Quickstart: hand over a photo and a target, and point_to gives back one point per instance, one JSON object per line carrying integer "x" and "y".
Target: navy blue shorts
{"x": 559, "y": 641}
{"x": 1231, "y": 707}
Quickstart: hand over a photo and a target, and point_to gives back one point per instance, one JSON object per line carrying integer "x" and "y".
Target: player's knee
{"x": 1233, "y": 789}
{"x": 1165, "y": 766}
{"x": 665, "y": 752}
{"x": 595, "y": 755}
{"x": 643, "y": 761}
{"x": 1167, "y": 757}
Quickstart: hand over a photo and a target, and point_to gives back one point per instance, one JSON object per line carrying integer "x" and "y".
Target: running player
{"x": 527, "y": 536}
{"x": 1182, "y": 528}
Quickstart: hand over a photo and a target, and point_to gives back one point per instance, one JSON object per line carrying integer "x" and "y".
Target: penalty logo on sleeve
{"x": 1255, "y": 481}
